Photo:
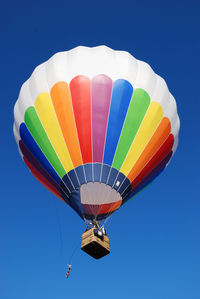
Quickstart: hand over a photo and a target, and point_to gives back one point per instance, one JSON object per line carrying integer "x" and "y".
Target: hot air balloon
{"x": 95, "y": 126}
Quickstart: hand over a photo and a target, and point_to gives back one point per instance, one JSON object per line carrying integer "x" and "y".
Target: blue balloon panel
{"x": 121, "y": 97}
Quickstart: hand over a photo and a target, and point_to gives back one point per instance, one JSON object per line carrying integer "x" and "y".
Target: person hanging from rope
{"x": 68, "y": 271}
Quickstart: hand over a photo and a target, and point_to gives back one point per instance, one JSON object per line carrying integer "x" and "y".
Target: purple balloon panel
{"x": 101, "y": 96}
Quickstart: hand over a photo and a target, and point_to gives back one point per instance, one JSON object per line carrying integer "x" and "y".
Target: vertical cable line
{"x": 108, "y": 175}
{"x": 84, "y": 174}
{"x": 115, "y": 179}
{"x": 101, "y": 173}
{"x": 59, "y": 230}
{"x": 93, "y": 172}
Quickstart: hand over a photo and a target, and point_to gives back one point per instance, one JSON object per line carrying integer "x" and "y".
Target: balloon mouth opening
{"x": 95, "y": 190}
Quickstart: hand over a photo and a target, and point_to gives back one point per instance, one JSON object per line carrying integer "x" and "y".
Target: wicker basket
{"x": 96, "y": 246}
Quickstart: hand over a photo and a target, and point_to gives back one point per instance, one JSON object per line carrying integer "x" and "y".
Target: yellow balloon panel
{"x": 46, "y": 113}
{"x": 148, "y": 126}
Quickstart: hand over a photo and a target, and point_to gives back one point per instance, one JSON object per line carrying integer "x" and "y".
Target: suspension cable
{"x": 59, "y": 230}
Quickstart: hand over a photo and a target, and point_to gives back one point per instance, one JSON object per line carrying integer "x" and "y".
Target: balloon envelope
{"x": 95, "y": 126}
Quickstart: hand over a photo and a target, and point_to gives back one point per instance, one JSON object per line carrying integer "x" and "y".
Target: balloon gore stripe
{"x": 149, "y": 124}
{"x": 121, "y": 97}
{"x": 80, "y": 88}
{"x": 61, "y": 98}
{"x": 37, "y": 131}
{"x": 149, "y": 178}
{"x": 95, "y": 143}
{"x": 37, "y": 174}
{"x": 158, "y": 138}
{"x": 101, "y": 95}
{"x": 36, "y": 152}
{"x": 47, "y": 116}
{"x": 31, "y": 159}
{"x": 139, "y": 104}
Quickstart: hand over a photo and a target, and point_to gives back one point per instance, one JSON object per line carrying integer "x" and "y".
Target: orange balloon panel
{"x": 61, "y": 99}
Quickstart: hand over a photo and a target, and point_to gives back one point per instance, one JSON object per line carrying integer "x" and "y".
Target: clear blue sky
{"x": 155, "y": 242}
